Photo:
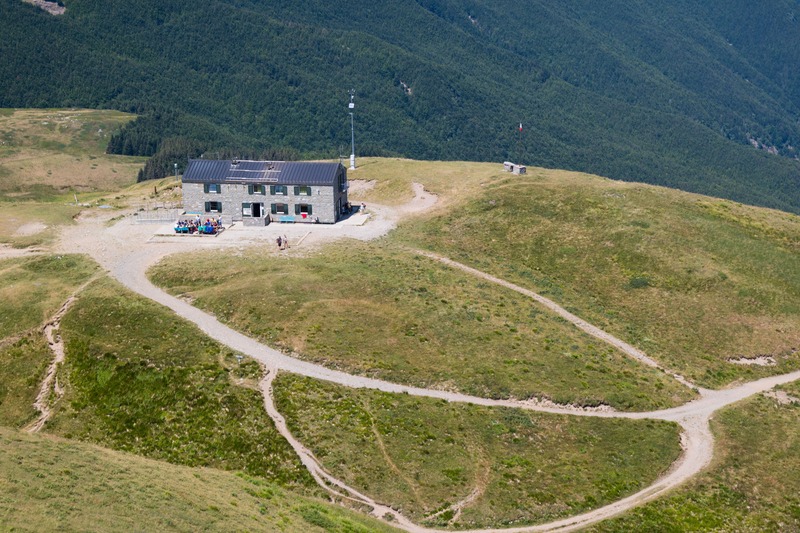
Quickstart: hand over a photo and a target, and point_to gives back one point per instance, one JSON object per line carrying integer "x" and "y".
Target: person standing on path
{"x": 285, "y": 242}
{"x": 280, "y": 243}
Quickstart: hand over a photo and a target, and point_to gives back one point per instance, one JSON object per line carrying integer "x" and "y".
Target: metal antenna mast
{"x": 351, "y": 106}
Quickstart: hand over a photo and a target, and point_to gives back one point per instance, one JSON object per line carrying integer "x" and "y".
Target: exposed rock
{"x": 761, "y": 360}
{"x": 51, "y": 7}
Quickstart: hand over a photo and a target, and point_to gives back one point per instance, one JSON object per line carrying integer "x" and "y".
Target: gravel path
{"x": 126, "y": 251}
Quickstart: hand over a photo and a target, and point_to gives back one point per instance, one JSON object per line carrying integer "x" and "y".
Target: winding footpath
{"x": 127, "y": 254}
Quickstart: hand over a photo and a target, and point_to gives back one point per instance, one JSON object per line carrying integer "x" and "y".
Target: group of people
{"x": 211, "y": 226}
{"x": 349, "y": 208}
{"x": 283, "y": 242}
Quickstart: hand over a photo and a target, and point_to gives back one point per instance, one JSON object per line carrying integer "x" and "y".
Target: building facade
{"x": 260, "y": 192}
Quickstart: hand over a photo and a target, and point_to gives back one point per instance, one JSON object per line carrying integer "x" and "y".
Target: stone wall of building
{"x": 323, "y": 201}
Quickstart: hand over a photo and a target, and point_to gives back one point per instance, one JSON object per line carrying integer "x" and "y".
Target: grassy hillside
{"x": 48, "y": 152}
{"x": 49, "y": 484}
{"x": 691, "y": 280}
{"x": 23, "y": 363}
{"x": 423, "y": 456}
{"x": 374, "y": 310}
{"x": 751, "y": 484}
{"x": 140, "y": 379}
{"x": 679, "y": 94}
{"x": 47, "y": 156}
{"x": 32, "y": 289}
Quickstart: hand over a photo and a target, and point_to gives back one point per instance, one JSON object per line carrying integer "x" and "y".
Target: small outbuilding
{"x": 514, "y": 168}
{"x": 260, "y": 192}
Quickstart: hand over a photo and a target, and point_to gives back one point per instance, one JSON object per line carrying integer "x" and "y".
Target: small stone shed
{"x": 260, "y": 192}
{"x": 514, "y": 168}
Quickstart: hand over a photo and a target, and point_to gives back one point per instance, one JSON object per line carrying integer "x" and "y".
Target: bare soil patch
{"x": 782, "y": 397}
{"x": 31, "y": 228}
{"x": 422, "y": 201}
{"x": 761, "y": 360}
{"x": 361, "y": 186}
{"x": 544, "y": 402}
{"x": 8, "y": 252}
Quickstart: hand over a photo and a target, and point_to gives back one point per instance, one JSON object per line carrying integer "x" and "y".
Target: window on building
{"x": 277, "y": 190}
{"x": 247, "y": 210}
{"x": 302, "y": 190}
{"x": 213, "y": 207}
{"x": 212, "y": 188}
{"x": 279, "y": 209}
{"x": 302, "y": 209}
{"x": 256, "y": 189}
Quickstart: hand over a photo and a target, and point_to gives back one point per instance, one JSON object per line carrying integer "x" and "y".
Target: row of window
{"x": 249, "y": 209}
{"x": 283, "y": 209}
{"x": 274, "y": 190}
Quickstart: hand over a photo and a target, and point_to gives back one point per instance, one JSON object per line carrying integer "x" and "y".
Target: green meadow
{"x": 691, "y": 280}
{"x": 50, "y": 157}
{"x": 48, "y": 152}
{"x": 513, "y": 467}
{"x": 53, "y": 484}
{"x": 752, "y": 484}
{"x": 23, "y": 363}
{"x": 378, "y": 310}
{"x": 32, "y": 289}
{"x": 139, "y": 379}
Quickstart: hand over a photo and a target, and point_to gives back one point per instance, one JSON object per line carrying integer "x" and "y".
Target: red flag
{"x": 520, "y": 126}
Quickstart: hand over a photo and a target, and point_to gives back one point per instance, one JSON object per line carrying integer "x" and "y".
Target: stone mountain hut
{"x": 260, "y": 192}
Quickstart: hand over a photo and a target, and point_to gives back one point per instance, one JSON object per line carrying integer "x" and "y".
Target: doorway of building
{"x": 257, "y": 210}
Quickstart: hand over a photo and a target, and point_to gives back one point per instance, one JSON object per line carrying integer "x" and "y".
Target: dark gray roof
{"x": 280, "y": 172}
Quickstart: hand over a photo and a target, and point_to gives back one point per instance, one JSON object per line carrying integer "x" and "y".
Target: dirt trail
{"x": 50, "y": 385}
{"x": 127, "y": 251}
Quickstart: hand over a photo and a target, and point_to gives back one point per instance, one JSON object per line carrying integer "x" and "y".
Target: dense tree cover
{"x": 688, "y": 94}
{"x": 173, "y": 151}
{"x": 178, "y": 150}
{"x": 143, "y": 136}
